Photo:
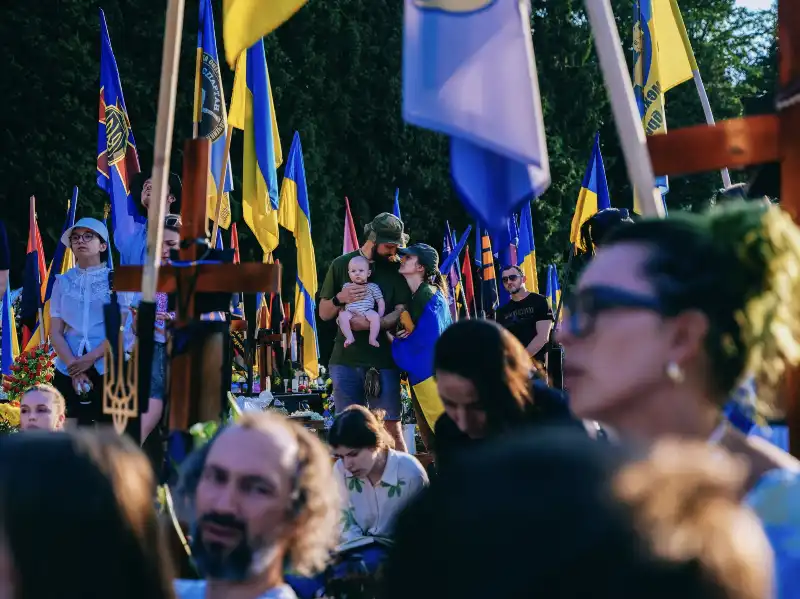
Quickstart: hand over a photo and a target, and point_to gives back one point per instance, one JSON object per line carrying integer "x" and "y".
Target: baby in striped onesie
{"x": 359, "y": 272}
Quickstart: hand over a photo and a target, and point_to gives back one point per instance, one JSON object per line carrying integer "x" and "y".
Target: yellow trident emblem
{"x": 120, "y": 398}
{"x": 455, "y": 6}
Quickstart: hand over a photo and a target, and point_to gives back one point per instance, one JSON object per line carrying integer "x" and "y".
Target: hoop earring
{"x": 675, "y": 373}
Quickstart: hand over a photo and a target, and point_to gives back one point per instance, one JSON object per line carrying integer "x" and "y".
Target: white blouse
{"x": 371, "y": 510}
{"x": 78, "y": 298}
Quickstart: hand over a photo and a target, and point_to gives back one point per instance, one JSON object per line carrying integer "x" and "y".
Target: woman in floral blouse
{"x": 376, "y": 480}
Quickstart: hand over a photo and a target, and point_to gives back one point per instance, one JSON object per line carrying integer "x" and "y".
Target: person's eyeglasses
{"x": 511, "y": 278}
{"x": 78, "y": 237}
{"x": 172, "y": 220}
{"x": 581, "y": 309}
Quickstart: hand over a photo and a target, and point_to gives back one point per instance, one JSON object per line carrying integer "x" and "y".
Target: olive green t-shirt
{"x": 419, "y": 300}
{"x": 395, "y": 291}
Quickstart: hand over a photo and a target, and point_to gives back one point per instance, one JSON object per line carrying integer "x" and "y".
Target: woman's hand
{"x": 165, "y": 316}
{"x": 402, "y": 334}
{"x": 79, "y": 380}
{"x": 80, "y": 365}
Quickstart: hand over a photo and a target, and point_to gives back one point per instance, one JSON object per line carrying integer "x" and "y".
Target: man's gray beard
{"x": 262, "y": 560}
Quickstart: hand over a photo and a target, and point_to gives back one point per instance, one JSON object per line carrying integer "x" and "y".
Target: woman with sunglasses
{"x": 485, "y": 378}
{"x": 669, "y": 317}
{"x": 77, "y": 329}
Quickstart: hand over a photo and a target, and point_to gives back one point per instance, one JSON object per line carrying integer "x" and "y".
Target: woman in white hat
{"x": 77, "y": 328}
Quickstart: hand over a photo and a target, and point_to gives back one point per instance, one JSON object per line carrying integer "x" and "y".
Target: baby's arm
{"x": 379, "y": 301}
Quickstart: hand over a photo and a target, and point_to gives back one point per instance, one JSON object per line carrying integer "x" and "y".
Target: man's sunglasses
{"x": 582, "y": 308}
{"x": 172, "y": 220}
{"x": 509, "y": 278}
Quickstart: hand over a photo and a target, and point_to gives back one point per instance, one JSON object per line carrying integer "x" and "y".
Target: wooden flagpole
{"x": 165, "y": 122}
{"x": 224, "y": 173}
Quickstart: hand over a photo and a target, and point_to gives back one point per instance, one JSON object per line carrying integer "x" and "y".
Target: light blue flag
{"x": 469, "y": 72}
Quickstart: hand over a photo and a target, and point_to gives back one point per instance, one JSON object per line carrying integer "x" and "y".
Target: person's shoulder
{"x": 407, "y": 462}
{"x": 536, "y": 298}
{"x": 190, "y": 589}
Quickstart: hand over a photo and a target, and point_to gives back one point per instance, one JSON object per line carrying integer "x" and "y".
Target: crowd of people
{"x": 524, "y": 496}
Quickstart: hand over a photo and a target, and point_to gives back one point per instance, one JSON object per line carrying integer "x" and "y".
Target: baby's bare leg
{"x": 344, "y": 324}
{"x": 374, "y": 327}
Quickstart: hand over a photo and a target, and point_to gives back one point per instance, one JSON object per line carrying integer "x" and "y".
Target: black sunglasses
{"x": 583, "y": 307}
{"x": 510, "y": 278}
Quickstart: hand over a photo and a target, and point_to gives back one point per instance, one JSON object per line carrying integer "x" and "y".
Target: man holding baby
{"x": 363, "y": 289}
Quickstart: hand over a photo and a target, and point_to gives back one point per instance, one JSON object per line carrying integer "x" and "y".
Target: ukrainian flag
{"x": 62, "y": 261}
{"x": 469, "y": 72}
{"x": 593, "y": 195}
{"x": 252, "y": 111}
{"x": 117, "y": 159}
{"x": 553, "y": 288}
{"x": 244, "y": 22}
{"x": 210, "y": 115}
{"x": 526, "y": 249}
{"x": 10, "y": 342}
{"x": 414, "y": 354}
{"x": 660, "y": 62}
{"x": 296, "y": 217}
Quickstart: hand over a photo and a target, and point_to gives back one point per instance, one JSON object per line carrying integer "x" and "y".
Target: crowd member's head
{"x": 513, "y": 279}
{"x": 42, "y": 407}
{"x": 357, "y": 437}
{"x": 172, "y": 235}
{"x": 598, "y": 226}
{"x": 483, "y": 375}
{"x": 421, "y": 261}
{"x": 77, "y": 519}
{"x": 263, "y": 496}
{"x": 557, "y": 515}
{"x": 386, "y": 235}
{"x": 142, "y": 190}
{"x": 88, "y": 239}
{"x": 672, "y": 313}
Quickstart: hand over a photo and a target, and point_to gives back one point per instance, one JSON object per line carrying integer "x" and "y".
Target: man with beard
{"x": 527, "y": 316}
{"x": 263, "y": 498}
{"x": 363, "y": 374}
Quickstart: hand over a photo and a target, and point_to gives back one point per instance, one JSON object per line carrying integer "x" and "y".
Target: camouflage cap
{"x": 386, "y": 228}
{"x": 426, "y": 255}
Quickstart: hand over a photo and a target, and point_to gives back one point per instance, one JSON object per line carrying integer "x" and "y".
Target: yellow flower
{"x": 10, "y": 414}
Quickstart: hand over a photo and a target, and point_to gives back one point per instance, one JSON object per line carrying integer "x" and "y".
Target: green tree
{"x": 335, "y": 69}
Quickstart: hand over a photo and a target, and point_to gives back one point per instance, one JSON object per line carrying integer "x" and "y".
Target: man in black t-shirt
{"x": 527, "y": 316}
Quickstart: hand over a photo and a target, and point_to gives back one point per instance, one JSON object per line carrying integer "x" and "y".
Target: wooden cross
{"x": 192, "y": 398}
{"x": 754, "y": 140}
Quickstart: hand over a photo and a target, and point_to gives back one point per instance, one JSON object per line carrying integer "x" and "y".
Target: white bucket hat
{"x": 86, "y": 223}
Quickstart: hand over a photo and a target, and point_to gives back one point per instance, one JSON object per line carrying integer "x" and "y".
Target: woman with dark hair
{"x": 377, "y": 480}
{"x": 600, "y": 224}
{"x": 77, "y": 519}
{"x": 77, "y": 329}
{"x": 485, "y": 380}
{"x": 428, "y": 315}
{"x": 670, "y": 317}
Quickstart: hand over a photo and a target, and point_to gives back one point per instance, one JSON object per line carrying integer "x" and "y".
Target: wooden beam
{"x": 248, "y": 277}
{"x": 734, "y": 144}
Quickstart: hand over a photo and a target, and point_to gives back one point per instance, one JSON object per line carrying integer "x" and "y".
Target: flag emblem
{"x": 454, "y": 6}
{"x": 212, "y": 125}
{"x": 117, "y": 128}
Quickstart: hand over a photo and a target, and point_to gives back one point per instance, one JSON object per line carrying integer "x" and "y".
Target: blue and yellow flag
{"x": 457, "y": 51}
{"x": 296, "y": 215}
{"x": 660, "y": 62}
{"x": 414, "y": 354}
{"x": 253, "y": 111}
{"x": 452, "y": 273}
{"x": 10, "y": 341}
{"x": 117, "y": 158}
{"x": 526, "y": 248}
{"x": 244, "y": 22}
{"x": 62, "y": 261}
{"x": 593, "y": 195}
{"x": 396, "y": 207}
{"x": 210, "y": 115}
{"x": 33, "y": 285}
{"x": 553, "y": 288}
